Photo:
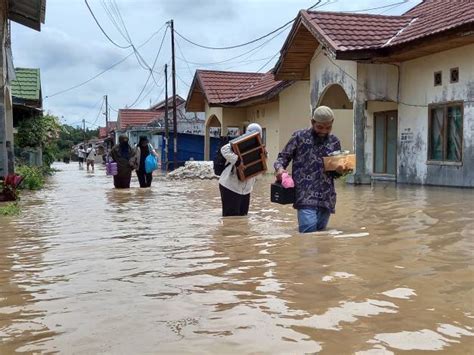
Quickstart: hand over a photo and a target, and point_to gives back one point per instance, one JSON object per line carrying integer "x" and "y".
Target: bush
{"x": 33, "y": 176}
{"x": 9, "y": 209}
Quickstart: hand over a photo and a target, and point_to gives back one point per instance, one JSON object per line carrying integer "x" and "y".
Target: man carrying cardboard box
{"x": 315, "y": 196}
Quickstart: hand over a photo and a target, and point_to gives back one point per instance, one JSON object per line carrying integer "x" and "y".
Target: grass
{"x": 9, "y": 209}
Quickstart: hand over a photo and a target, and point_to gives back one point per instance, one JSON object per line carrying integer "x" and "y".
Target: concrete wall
{"x": 233, "y": 117}
{"x": 3, "y": 116}
{"x": 324, "y": 73}
{"x": 268, "y": 117}
{"x": 343, "y": 128}
{"x": 295, "y": 110}
{"x": 417, "y": 88}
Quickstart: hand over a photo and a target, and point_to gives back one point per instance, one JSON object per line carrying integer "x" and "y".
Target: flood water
{"x": 89, "y": 269}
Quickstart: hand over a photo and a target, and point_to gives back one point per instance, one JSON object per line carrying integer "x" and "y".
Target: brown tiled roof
{"x": 135, "y": 117}
{"x": 344, "y": 31}
{"x": 232, "y": 87}
{"x": 431, "y": 17}
{"x": 102, "y": 132}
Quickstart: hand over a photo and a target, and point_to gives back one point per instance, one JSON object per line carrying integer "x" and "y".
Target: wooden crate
{"x": 251, "y": 153}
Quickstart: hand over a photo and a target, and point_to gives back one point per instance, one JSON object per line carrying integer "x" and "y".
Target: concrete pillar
{"x": 3, "y": 116}
{"x": 360, "y": 175}
{"x": 207, "y": 143}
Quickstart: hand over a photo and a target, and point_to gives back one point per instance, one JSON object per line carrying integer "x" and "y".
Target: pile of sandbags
{"x": 194, "y": 170}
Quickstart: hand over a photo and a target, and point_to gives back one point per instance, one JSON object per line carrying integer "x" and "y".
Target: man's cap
{"x": 323, "y": 114}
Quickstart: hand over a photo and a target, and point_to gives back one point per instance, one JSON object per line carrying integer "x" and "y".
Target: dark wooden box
{"x": 251, "y": 153}
{"x": 279, "y": 194}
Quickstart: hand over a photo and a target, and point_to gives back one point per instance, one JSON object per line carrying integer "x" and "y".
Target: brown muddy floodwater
{"x": 88, "y": 269}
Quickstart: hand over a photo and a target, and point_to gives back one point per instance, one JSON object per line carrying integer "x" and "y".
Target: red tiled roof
{"x": 102, "y": 132}
{"x": 346, "y": 31}
{"x": 231, "y": 87}
{"x": 135, "y": 117}
{"x": 432, "y": 17}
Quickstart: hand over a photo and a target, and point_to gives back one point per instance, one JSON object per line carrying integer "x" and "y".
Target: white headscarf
{"x": 254, "y": 127}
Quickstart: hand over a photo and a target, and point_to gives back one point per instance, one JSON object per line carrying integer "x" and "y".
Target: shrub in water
{"x": 34, "y": 177}
{"x": 9, "y": 209}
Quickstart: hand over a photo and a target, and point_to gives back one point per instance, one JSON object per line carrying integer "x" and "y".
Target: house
{"x": 407, "y": 80}
{"x": 138, "y": 122}
{"x": 187, "y": 122}
{"x": 151, "y": 122}
{"x": 233, "y": 100}
{"x": 30, "y": 13}
{"x": 27, "y": 103}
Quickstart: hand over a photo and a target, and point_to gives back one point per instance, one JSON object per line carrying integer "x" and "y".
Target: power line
{"x": 102, "y": 30}
{"x": 253, "y": 51}
{"x": 380, "y": 7}
{"x": 89, "y": 80}
{"x": 246, "y": 43}
{"x": 151, "y": 70}
{"x": 105, "y": 70}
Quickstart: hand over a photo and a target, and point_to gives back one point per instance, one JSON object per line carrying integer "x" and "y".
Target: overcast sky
{"x": 71, "y": 49}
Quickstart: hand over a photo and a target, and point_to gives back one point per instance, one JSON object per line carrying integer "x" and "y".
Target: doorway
{"x": 385, "y": 143}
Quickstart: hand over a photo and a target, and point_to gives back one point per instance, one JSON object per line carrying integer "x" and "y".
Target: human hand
{"x": 340, "y": 169}
{"x": 279, "y": 173}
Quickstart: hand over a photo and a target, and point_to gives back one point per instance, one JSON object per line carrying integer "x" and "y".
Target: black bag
{"x": 279, "y": 194}
{"x": 220, "y": 163}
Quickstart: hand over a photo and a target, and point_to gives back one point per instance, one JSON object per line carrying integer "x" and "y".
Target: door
{"x": 385, "y": 142}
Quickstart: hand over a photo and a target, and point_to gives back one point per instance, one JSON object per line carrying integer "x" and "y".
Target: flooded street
{"x": 89, "y": 269}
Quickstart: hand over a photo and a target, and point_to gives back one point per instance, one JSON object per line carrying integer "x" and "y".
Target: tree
{"x": 40, "y": 132}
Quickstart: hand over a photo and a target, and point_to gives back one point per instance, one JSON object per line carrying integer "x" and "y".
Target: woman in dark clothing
{"x": 144, "y": 148}
{"x": 122, "y": 153}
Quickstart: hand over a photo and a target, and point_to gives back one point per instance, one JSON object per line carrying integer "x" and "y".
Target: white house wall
{"x": 417, "y": 88}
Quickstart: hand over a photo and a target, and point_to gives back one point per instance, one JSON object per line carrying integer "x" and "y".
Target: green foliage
{"x": 34, "y": 177}
{"x": 42, "y": 131}
{"x": 9, "y": 209}
{"x": 38, "y": 131}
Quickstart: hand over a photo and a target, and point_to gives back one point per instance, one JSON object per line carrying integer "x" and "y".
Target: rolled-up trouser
{"x": 313, "y": 219}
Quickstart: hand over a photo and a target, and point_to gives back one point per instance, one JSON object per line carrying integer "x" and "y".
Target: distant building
{"x": 30, "y": 13}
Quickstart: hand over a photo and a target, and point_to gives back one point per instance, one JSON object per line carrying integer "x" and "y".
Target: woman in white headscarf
{"x": 235, "y": 194}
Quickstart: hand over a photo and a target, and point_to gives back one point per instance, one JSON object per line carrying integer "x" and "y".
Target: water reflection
{"x": 87, "y": 268}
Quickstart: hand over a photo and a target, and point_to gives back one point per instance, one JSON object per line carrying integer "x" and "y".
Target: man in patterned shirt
{"x": 315, "y": 194}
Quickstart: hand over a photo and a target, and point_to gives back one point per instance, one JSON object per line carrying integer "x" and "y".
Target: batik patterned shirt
{"x": 314, "y": 187}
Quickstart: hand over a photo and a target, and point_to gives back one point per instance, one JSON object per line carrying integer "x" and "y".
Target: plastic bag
{"x": 151, "y": 164}
{"x": 111, "y": 167}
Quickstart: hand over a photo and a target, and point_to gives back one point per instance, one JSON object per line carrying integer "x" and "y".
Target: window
{"x": 438, "y": 78}
{"x": 445, "y": 132}
{"x": 454, "y": 75}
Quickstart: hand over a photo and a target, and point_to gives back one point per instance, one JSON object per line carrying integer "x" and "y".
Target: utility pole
{"x": 175, "y": 123}
{"x": 167, "y": 127}
{"x": 84, "y": 131}
{"x": 106, "y": 114}
{"x": 106, "y": 119}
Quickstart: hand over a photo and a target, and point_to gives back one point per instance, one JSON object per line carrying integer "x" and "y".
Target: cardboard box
{"x": 332, "y": 162}
{"x": 251, "y": 153}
